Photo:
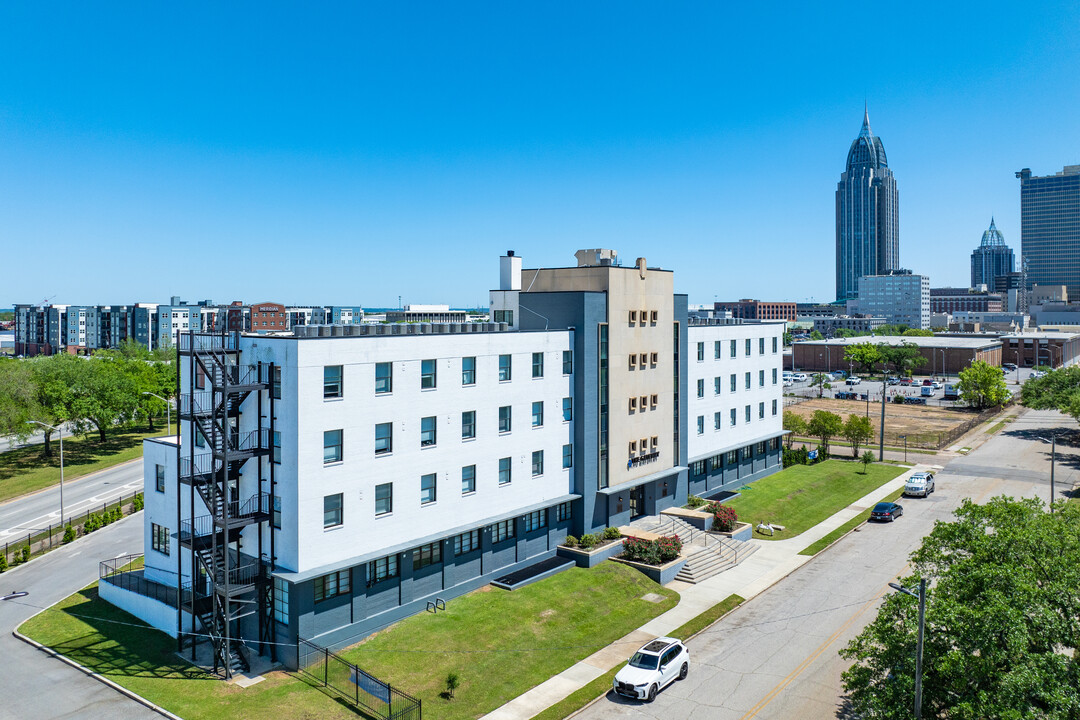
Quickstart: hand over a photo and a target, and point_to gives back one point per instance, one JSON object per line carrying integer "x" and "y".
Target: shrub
{"x": 69, "y": 533}
{"x": 695, "y": 501}
{"x": 570, "y": 541}
{"x": 3, "y": 562}
{"x": 898, "y": 399}
{"x": 724, "y": 517}
{"x": 452, "y": 684}
{"x": 612, "y": 533}
{"x": 588, "y": 541}
{"x": 137, "y": 503}
{"x": 92, "y": 523}
{"x": 652, "y": 552}
{"x": 25, "y": 553}
{"x": 797, "y": 456}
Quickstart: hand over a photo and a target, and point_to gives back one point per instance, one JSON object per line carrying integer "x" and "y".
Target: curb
{"x": 101, "y": 678}
{"x": 44, "y": 555}
{"x": 73, "y": 480}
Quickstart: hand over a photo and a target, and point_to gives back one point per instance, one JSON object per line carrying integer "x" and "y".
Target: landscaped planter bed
{"x": 662, "y": 574}
{"x": 742, "y": 531}
{"x": 593, "y": 557}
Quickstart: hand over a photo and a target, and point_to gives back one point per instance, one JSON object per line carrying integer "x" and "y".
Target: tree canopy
{"x": 1057, "y": 390}
{"x": 857, "y": 430}
{"x": 1002, "y": 635}
{"x": 824, "y": 425}
{"x": 982, "y": 386}
{"x": 794, "y": 424}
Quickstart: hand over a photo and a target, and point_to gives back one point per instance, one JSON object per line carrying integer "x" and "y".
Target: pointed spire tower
{"x": 867, "y": 214}
{"x": 992, "y": 259}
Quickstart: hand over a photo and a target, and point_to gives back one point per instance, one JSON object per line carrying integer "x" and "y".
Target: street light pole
{"x": 919, "y": 643}
{"x": 168, "y": 409}
{"x": 904, "y": 438}
{"x": 1053, "y": 455}
{"x": 60, "y": 432}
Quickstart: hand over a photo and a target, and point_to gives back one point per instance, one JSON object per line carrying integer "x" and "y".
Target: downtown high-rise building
{"x": 1050, "y": 228}
{"x": 867, "y": 215}
{"x": 992, "y": 259}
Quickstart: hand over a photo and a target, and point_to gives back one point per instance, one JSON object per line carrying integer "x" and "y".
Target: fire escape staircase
{"x": 229, "y": 586}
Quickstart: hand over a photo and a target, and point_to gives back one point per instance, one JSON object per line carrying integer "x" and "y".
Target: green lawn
{"x": 501, "y": 643}
{"x": 24, "y": 470}
{"x": 87, "y": 629}
{"x": 803, "y": 495}
{"x": 827, "y": 540}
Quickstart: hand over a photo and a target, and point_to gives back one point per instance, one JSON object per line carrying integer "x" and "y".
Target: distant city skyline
{"x": 360, "y": 153}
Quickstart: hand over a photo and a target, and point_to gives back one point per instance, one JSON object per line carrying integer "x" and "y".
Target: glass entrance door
{"x": 637, "y": 502}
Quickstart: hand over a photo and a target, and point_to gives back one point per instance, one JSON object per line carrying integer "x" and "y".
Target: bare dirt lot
{"x": 925, "y": 426}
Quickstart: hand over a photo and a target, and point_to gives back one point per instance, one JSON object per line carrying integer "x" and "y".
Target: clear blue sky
{"x": 353, "y": 153}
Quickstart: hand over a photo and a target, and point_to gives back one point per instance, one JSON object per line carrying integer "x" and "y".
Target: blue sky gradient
{"x": 351, "y": 153}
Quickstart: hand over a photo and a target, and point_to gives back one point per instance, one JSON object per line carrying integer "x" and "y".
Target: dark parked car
{"x": 1008, "y": 366}
{"x": 886, "y": 511}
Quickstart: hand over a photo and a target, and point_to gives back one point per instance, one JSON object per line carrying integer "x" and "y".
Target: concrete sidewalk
{"x": 773, "y": 561}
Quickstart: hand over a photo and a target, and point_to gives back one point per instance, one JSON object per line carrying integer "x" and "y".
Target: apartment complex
{"x": 328, "y": 483}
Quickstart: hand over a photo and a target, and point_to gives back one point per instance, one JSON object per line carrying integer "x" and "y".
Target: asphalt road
{"x": 41, "y": 687}
{"x": 38, "y": 510}
{"x": 776, "y": 657}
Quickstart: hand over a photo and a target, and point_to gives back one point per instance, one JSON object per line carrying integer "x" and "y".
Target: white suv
{"x": 920, "y": 483}
{"x": 655, "y": 666}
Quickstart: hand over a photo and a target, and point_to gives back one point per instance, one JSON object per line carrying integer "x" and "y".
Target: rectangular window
{"x": 200, "y": 440}
{"x": 382, "y": 569}
{"x": 774, "y": 376}
{"x": 535, "y": 520}
{"x": 732, "y": 350}
{"x": 632, "y": 361}
{"x": 332, "y": 585}
{"x": 733, "y": 417}
{"x": 716, "y": 385}
{"x": 563, "y": 511}
{"x": 653, "y": 358}
{"x": 468, "y": 424}
{"x": 716, "y": 350}
{"x": 633, "y": 317}
{"x": 697, "y": 468}
{"x": 384, "y": 498}
{"x": 761, "y": 411}
{"x": 504, "y": 368}
{"x": 632, "y": 404}
{"x": 275, "y": 512}
{"x": 774, "y": 342}
{"x": 504, "y": 471}
{"x": 331, "y": 446}
{"x": 567, "y": 456}
{"x": 774, "y": 443}
{"x": 427, "y": 489}
{"x": 567, "y": 409}
{"x": 159, "y": 538}
{"x": 747, "y": 413}
{"x": 159, "y": 478}
{"x": 761, "y": 448}
{"x": 567, "y": 362}
{"x": 747, "y": 381}
{"x": 506, "y": 316}
{"x": 502, "y": 531}
{"x": 466, "y": 542}
{"x": 538, "y": 413}
{"x": 332, "y": 510}
{"x": 468, "y": 479}
{"x": 468, "y": 371}
{"x": 427, "y": 431}
{"x": 701, "y": 387}
{"x": 700, "y": 424}
{"x": 748, "y": 347}
{"x": 427, "y": 374}
{"x": 504, "y": 419}
{"x": 331, "y": 383}
{"x": 275, "y": 387}
{"x": 538, "y": 365}
{"x": 632, "y": 448}
{"x": 654, "y": 316}
{"x": 655, "y": 401}
{"x": 748, "y": 452}
{"x": 700, "y": 351}
{"x": 761, "y": 346}
{"x": 277, "y": 448}
{"x": 384, "y": 438}
{"x": 733, "y": 382}
{"x": 426, "y": 555}
{"x": 281, "y": 601}
{"x": 732, "y": 457}
{"x": 717, "y": 420}
{"x": 384, "y": 378}
{"x": 774, "y": 407}
{"x": 537, "y": 462}
{"x": 761, "y": 378}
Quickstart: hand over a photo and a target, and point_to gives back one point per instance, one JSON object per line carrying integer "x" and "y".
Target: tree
{"x": 883, "y": 357}
{"x": 825, "y": 425}
{"x": 54, "y": 380}
{"x": 787, "y": 339}
{"x": 915, "y": 332}
{"x": 18, "y": 399}
{"x": 815, "y": 335}
{"x": 1057, "y": 390}
{"x": 1002, "y": 638}
{"x": 821, "y": 382}
{"x": 794, "y": 424}
{"x": 982, "y": 385}
{"x": 866, "y": 459}
{"x": 857, "y": 430}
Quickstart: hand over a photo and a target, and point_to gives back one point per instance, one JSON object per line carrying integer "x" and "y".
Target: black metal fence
{"x": 363, "y": 690}
{"x": 126, "y": 572}
{"x": 42, "y": 540}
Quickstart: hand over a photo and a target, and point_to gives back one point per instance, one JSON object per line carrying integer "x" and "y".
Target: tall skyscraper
{"x": 867, "y": 215}
{"x": 992, "y": 259}
{"x": 1050, "y": 228}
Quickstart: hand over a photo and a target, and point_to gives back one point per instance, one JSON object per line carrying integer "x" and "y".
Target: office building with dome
{"x": 992, "y": 259}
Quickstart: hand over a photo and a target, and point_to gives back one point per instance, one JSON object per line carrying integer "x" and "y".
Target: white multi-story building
{"x": 328, "y": 483}
{"x": 902, "y": 298}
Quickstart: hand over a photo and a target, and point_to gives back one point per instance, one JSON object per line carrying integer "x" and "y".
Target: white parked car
{"x": 656, "y": 665}
{"x": 853, "y": 380}
{"x": 799, "y": 377}
{"x": 920, "y": 484}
